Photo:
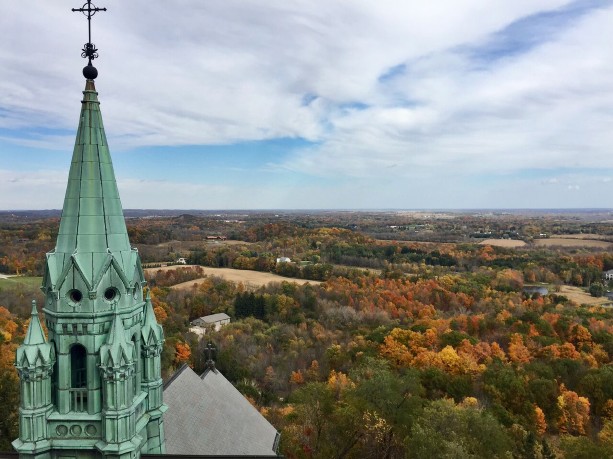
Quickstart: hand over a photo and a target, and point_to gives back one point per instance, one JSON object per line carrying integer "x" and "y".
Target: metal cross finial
{"x": 210, "y": 363}
{"x": 88, "y": 10}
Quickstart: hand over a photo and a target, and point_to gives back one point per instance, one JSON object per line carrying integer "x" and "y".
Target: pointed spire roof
{"x": 92, "y": 237}
{"x": 35, "y": 349}
{"x": 35, "y": 334}
{"x": 118, "y": 350}
{"x": 92, "y": 217}
{"x": 151, "y": 332}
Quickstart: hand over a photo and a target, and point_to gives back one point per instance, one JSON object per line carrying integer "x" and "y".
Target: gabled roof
{"x": 212, "y": 318}
{"x": 208, "y": 415}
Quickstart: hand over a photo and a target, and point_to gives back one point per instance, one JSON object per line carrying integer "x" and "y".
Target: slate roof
{"x": 208, "y": 416}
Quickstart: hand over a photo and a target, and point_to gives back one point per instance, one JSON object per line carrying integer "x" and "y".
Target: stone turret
{"x": 96, "y": 315}
{"x": 118, "y": 385}
{"x": 34, "y": 360}
{"x": 152, "y": 343}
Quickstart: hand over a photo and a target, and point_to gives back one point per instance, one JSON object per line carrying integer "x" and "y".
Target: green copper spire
{"x": 94, "y": 388}
{"x": 35, "y": 347}
{"x": 152, "y": 333}
{"x": 35, "y": 334}
{"x": 118, "y": 352}
{"x": 34, "y": 361}
{"x": 93, "y": 239}
{"x": 92, "y": 218}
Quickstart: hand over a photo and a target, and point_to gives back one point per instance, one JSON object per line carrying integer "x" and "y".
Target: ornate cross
{"x": 210, "y": 363}
{"x": 89, "y": 49}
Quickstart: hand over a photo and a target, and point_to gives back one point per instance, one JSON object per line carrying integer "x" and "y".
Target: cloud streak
{"x": 385, "y": 93}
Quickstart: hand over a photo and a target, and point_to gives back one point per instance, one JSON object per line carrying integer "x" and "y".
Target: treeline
{"x": 394, "y": 367}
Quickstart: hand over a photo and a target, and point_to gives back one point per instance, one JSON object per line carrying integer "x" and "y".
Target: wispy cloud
{"x": 392, "y": 94}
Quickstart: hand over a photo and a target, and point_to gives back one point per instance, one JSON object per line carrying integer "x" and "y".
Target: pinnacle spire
{"x": 35, "y": 334}
{"x": 117, "y": 347}
{"x": 35, "y": 349}
{"x": 150, "y": 329}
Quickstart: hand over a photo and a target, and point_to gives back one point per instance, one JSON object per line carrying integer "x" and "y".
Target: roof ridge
{"x": 176, "y": 375}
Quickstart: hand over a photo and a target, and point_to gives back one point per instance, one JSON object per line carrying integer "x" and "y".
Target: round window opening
{"x": 75, "y": 296}
{"x": 110, "y": 294}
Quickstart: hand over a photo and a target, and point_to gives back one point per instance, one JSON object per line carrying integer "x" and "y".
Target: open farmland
{"x": 508, "y": 243}
{"x": 249, "y": 278}
{"x": 579, "y": 296}
{"x": 572, "y": 242}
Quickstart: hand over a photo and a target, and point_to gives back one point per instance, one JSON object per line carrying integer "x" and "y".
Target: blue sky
{"x": 317, "y": 104}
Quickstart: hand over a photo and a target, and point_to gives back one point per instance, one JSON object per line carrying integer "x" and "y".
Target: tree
{"x": 9, "y": 400}
{"x": 182, "y": 353}
{"x": 449, "y": 430}
{"x": 574, "y": 412}
{"x": 597, "y": 289}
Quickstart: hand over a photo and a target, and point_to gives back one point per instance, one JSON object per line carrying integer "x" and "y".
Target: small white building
{"x": 283, "y": 260}
{"x": 181, "y": 261}
{"x": 210, "y": 322}
{"x": 608, "y": 275}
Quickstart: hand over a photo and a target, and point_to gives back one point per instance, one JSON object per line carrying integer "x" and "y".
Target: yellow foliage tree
{"x": 540, "y": 423}
{"x": 518, "y": 352}
{"x": 574, "y": 412}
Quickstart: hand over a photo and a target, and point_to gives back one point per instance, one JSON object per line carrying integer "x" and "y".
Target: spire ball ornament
{"x": 89, "y": 51}
{"x": 90, "y": 72}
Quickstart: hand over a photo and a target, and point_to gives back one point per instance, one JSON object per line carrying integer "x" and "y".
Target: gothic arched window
{"x": 78, "y": 378}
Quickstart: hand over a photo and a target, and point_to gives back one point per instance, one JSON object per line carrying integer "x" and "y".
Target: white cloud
{"x": 178, "y": 73}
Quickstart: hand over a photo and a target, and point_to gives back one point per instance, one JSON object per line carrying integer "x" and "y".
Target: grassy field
{"x": 580, "y": 296}
{"x": 509, "y": 243}
{"x": 249, "y": 278}
{"x": 572, "y": 242}
{"x": 20, "y": 282}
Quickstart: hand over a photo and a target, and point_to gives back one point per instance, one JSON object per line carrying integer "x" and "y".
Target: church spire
{"x": 92, "y": 218}
{"x": 82, "y": 389}
{"x": 92, "y": 234}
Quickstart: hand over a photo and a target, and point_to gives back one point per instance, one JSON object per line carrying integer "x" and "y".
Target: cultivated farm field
{"x": 249, "y": 278}
{"x": 509, "y": 243}
{"x": 567, "y": 241}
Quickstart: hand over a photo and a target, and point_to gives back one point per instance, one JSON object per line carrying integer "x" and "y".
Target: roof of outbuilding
{"x": 214, "y": 317}
{"x": 208, "y": 415}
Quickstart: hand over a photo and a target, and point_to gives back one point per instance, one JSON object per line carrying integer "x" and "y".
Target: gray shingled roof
{"x": 212, "y": 318}
{"x": 209, "y": 415}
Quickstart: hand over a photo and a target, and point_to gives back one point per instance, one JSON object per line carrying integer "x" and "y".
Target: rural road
{"x": 6, "y": 276}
